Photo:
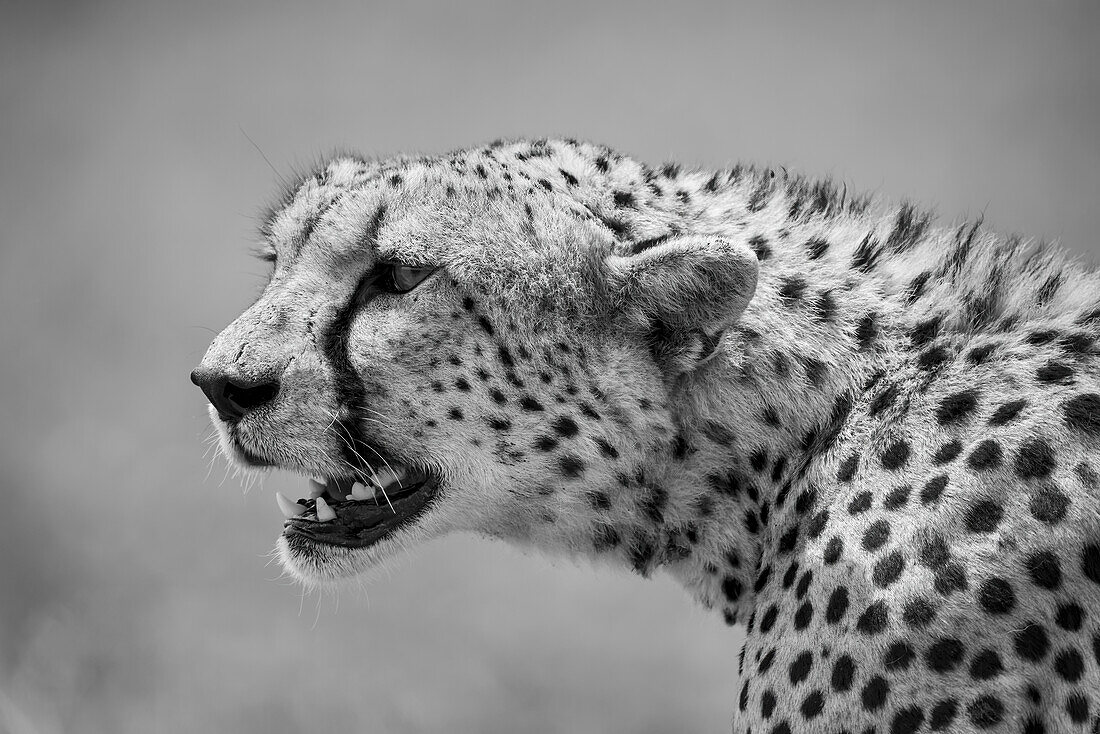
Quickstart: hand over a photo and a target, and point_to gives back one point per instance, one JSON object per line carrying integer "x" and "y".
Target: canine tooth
{"x": 316, "y": 488}
{"x": 359, "y": 491}
{"x": 324, "y": 512}
{"x": 289, "y": 509}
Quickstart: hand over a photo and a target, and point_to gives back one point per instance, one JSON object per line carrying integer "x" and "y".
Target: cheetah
{"x": 870, "y": 438}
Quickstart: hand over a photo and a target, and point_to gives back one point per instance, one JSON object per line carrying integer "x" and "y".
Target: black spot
{"x": 767, "y": 704}
{"x": 848, "y": 468}
{"x": 844, "y": 670}
{"x": 980, "y": 354}
{"x": 571, "y": 465}
{"x": 932, "y": 358}
{"x": 768, "y": 620}
{"x": 606, "y": 449}
{"x": 752, "y": 524}
{"x": 800, "y": 668}
{"x": 565, "y": 426}
{"x": 1035, "y": 458}
{"x": 987, "y": 455}
{"x": 456, "y": 414}
{"x": 985, "y": 665}
{"x": 934, "y": 552}
{"x": 1069, "y": 664}
{"x": 589, "y": 411}
{"x": 1044, "y": 569}
{"x": 623, "y": 198}
{"x": 833, "y": 550}
{"x": 498, "y": 396}
{"x": 1078, "y": 344}
{"x": 947, "y": 452}
{"x": 907, "y": 720}
{"x": 812, "y": 705}
{"x": 1055, "y": 372}
{"x": 817, "y": 524}
{"x": 1083, "y": 412}
{"x": 1007, "y": 412}
{"x": 867, "y": 330}
{"x": 898, "y": 656}
{"x": 1070, "y": 617}
{"x": 943, "y": 713}
{"x": 498, "y": 423}
{"x": 986, "y": 711}
{"x": 996, "y": 596}
{"x": 918, "y": 613}
{"x": 803, "y": 616}
{"x": 1090, "y": 563}
{"x": 791, "y": 288}
{"x": 771, "y": 417}
{"x": 529, "y": 403}
{"x": 1077, "y": 706}
{"x": 546, "y": 443}
{"x": 897, "y": 498}
{"x": 762, "y": 579}
{"x": 896, "y": 455}
{"x": 888, "y": 569}
{"x": 876, "y": 535}
{"x": 824, "y": 306}
{"x": 788, "y": 540}
{"x": 758, "y": 460}
{"x": 874, "y": 693}
{"x": 1031, "y": 642}
{"x": 884, "y": 399}
{"x": 838, "y": 605}
{"x": 957, "y": 407}
{"x": 866, "y": 255}
{"x": 759, "y": 245}
{"x": 916, "y": 287}
{"x": 860, "y": 503}
{"x": 816, "y": 247}
{"x": 984, "y": 516}
{"x": 874, "y": 619}
{"x": 925, "y": 331}
{"x": 731, "y": 588}
{"x": 1049, "y": 504}
{"x": 944, "y": 655}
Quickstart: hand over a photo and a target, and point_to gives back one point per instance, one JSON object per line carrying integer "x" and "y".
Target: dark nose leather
{"x": 232, "y": 396}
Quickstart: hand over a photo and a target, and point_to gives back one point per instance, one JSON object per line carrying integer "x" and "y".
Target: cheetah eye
{"x": 403, "y": 278}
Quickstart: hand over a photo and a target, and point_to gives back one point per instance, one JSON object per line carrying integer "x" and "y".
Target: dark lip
{"x": 362, "y": 523}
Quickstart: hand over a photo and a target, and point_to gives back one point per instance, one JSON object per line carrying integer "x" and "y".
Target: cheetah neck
{"x": 752, "y": 427}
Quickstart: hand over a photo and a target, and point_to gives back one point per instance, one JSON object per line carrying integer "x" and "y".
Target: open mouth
{"x": 355, "y": 513}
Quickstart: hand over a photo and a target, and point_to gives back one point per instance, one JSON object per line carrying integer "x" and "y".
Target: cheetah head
{"x": 461, "y": 344}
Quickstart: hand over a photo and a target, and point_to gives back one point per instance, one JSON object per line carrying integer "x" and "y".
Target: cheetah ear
{"x": 684, "y": 292}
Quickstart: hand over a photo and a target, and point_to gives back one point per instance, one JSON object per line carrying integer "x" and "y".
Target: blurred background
{"x": 135, "y": 589}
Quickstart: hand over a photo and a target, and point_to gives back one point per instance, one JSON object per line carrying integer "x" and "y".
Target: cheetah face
{"x": 441, "y": 357}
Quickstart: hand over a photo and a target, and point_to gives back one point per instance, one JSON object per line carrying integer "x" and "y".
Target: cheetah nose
{"x": 233, "y": 396}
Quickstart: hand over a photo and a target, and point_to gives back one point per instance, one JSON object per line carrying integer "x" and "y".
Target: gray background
{"x": 134, "y": 595}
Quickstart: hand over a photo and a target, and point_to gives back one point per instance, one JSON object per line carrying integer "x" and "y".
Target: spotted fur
{"x": 871, "y": 439}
